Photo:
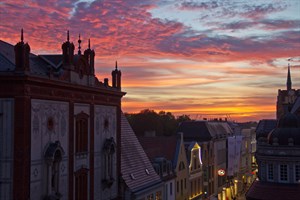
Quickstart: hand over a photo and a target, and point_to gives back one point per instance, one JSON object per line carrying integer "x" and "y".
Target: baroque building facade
{"x": 60, "y": 126}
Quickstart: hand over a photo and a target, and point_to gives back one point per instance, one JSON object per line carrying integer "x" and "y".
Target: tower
{"x": 286, "y": 98}
{"x": 22, "y": 51}
{"x": 289, "y": 81}
{"x": 116, "y": 78}
{"x": 90, "y": 57}
{"x": 68, "y": 53}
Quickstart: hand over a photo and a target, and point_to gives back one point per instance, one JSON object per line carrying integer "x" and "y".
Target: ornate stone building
{"x": 60, "y": 126}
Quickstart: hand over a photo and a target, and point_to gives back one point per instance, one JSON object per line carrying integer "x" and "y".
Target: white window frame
{"x": 280, "y": 173}
{"x": 270, "y": 172}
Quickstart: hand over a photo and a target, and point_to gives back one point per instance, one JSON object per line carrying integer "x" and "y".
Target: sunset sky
{"x": 197, "y": 57}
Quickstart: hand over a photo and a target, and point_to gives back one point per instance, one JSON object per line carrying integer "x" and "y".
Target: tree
{"x": 162, "y": 123}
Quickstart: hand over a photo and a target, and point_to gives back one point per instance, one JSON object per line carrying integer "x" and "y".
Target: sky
{"x": 201, "y": 58}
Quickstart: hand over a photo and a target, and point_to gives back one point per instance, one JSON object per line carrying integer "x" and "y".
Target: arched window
{"x": 53, "y": 157}
{"x": 81, "y": 184}
{"x": 81, "y": 133}
{"x": 109, "y": 149}
{"x": 181, "y": 166}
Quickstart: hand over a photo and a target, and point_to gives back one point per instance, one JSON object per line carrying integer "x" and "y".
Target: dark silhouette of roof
{"x": 287, "y": 131}
{"x": 296, "y": 106}
{"x": 204, "y": 130}
{"x": 264, "y": 127}
{"x": 273, "y": 191}
{"x": 192, "y": 129}
{"x": 7, "y": 59}
{"x": 136, "y": 168}
{"x": 159, "y": 146}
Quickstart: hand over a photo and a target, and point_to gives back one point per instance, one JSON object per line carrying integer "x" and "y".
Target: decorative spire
{"x": 289, "y": 81}
{"x": 79, "y": 47}
{"x": 89, "y": 45}
{"x": 22, "y": 37}
{"x": 68, "y": 36}
{"x": 116, "y": 65}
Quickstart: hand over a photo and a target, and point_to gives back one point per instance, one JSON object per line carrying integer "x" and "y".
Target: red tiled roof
{"x": 134, "y": 161}
{"x": 159, "y": 146}
{"x": 273, "y": 191}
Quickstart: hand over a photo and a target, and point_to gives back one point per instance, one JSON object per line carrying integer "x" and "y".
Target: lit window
{"x": 297, "y": 173}
{"x": 283, "y": 173}
{"x": 150, "y": 197}
{"x": 158, "y": 195}
{"x": 270, "y": 172}
{"x": 81, "y": 133}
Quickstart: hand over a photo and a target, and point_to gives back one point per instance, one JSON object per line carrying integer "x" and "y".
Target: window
{"x": 191, "y": 188}
{"x": 150, "y": 197}
{"x": 297, "y": 173}
{"x": 81, "y": 182}
{"x": 270, "y": 172}
{"x": 195, "y": 163}
{"x": 184, "y": 183}
{"x": 181, "y": 186}
{"x": 53, "y": 156}
{"x": 166, "y": 193}
{"x": 177, "y": 186}
{"x": 283, "y": 173}
{"x": 158, "y": 195}
{"x": 55, "y": 172}
{"x": 81, "y": 134}
{"x": 181, "y": 166}
{"x": 171, "y": 188}
{"x": 109, "y": 149}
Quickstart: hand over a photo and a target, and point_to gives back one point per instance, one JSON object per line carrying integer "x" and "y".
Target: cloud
{"x": 191, "y": 5}
{"x": 167, "y": 64}
{"x": 260, "y": 11}
{"x": 265, "y": 24}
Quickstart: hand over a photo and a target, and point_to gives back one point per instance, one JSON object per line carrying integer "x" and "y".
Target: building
{"x": 168, "y": 157}
{"x": 60, "y": 126}
{"x": 212, "y": 137}
{"x": 278, "y": 159}
{"x": 139, "y": 179}
{"x": 278, "y": 151}
{"x": 286, "y": 98}
{"x": 195, "y": 171}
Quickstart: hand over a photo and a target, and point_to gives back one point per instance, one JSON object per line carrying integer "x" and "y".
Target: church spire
{"x": 289, "y": 81}
{"x": 79, "y": 47}
{"x": 22, "y": 36}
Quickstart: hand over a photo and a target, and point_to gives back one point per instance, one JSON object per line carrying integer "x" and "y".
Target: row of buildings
{"x": 64, "y": 136}
{"x": 206, "y": 160}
